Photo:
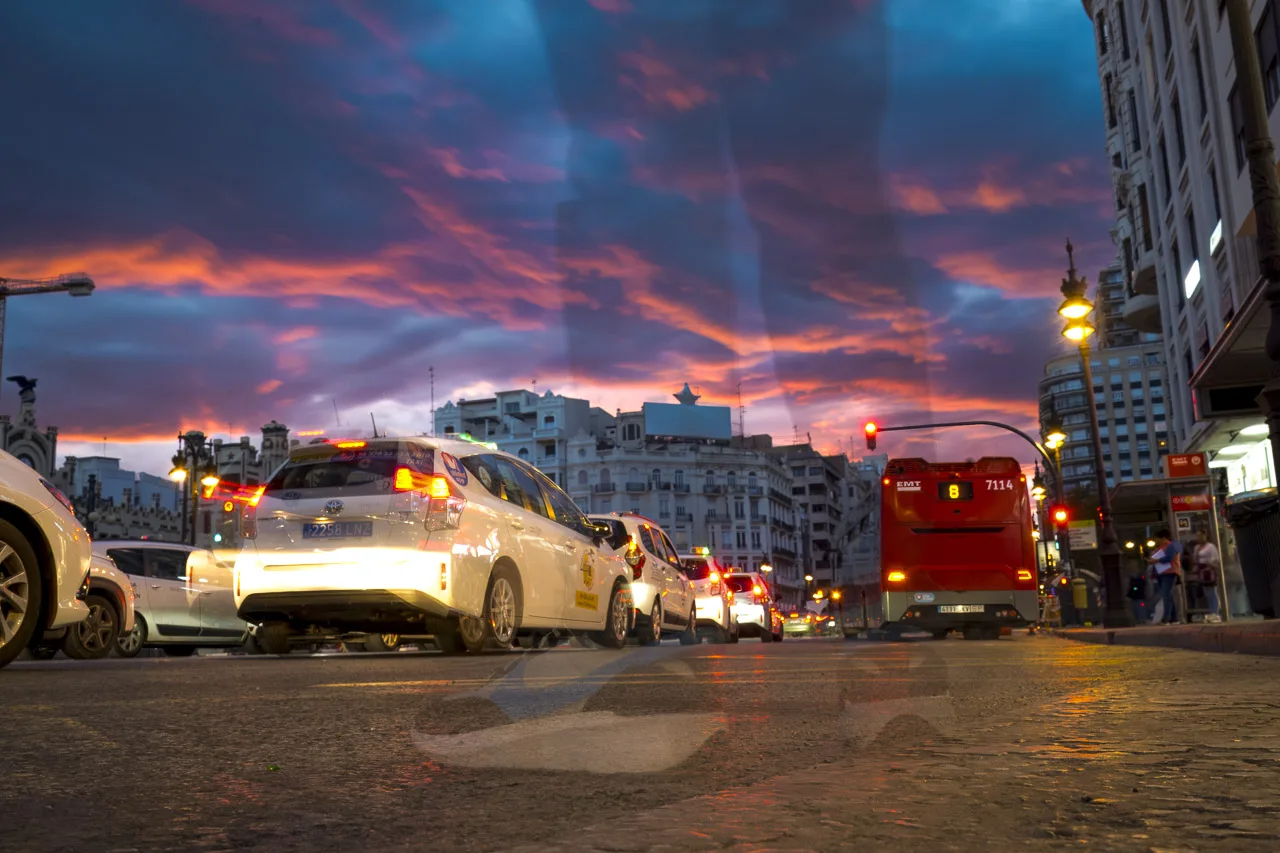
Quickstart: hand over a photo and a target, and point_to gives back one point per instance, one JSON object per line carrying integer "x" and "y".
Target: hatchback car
{"x": 754, "y": 606}
{"x": 185, "y": 598}
{"x": 415, "y": 536}
{"x": 44, "y": 559}
{"x": 714, "y": 598}
{"x": 663, "y": 594}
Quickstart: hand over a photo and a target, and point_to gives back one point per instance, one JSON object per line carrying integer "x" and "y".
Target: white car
{"x": 414, "y": 536}
{"x": 661, "y": 591}
{"x": 110, "y": 599}
{"x": 714, "y": 598}
{"x": 44, "y": 559}
{"x": 754, "y": 606}
{"x": 185, "y": 600}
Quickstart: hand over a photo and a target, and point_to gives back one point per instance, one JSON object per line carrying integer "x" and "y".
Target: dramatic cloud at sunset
{"x": 852, "y": 210}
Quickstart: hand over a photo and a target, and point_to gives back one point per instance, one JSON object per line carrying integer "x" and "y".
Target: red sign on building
{"x": 1190, "y": 503}
{"x": 1186, "y": 465}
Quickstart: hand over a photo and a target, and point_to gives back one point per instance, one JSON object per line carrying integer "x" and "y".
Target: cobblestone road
{"x": 1028, "y": 743}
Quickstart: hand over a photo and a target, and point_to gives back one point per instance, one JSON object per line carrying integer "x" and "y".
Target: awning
{"x": 1230, "y": 377}
{"x": 1140, "y": 502}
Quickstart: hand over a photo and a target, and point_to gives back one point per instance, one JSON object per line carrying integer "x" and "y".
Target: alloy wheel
{"x": 15, "y": 591}
{"x": 131, "y": 642}
{"x": 96, "y": 631}
{"x": 502, "y": 611}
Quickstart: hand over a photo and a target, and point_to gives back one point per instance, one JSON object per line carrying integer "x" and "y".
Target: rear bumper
{"x": 1012, "y": 608}
{"x": 350, "y": 610}
{"x": 712, "y": 610}
{"x": 752, "y": 615}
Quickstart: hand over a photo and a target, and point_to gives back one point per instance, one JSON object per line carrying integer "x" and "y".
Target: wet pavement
{"x": 1024, "y": 743}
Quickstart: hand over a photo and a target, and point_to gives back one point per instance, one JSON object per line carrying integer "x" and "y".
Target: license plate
{"x": 338, "y": 530}
{"x": 960, "y": 608}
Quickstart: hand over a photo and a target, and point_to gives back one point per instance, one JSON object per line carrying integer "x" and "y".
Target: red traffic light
{"x": 870, "y": 429}
{"x": 1060, "y": 515}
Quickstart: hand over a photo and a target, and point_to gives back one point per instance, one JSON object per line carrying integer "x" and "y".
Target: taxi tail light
{"x": 635, "y": 559}
{"x": 249, "y": 516}
{"x": 758, "y": 591}
{"x": 443, "y": 506}
{"x": 715, "y": 583}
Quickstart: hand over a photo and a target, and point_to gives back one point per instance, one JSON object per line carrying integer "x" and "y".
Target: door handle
{"x": 155, "y": 586}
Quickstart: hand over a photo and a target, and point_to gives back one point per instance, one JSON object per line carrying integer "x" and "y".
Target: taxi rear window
{"x": 740, "y": 583}
{"x": 332, "y": 472}
{"x": 697, "y": 568}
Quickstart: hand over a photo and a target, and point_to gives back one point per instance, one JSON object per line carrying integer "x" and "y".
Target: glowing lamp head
{"x": 1078, "y": 330}
{"x": 1075, "y": 308}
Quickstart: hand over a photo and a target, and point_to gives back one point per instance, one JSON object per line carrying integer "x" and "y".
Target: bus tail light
{"x": 1024, "y": 574}
{"x": 249, "y": 517}
{"x": 897, "y": 577}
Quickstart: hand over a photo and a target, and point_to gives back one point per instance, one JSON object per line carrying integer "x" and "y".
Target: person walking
{"x": 1208, "y": 564}
{"x": 1167, "y": 560}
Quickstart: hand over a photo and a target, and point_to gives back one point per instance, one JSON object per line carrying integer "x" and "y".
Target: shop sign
{"x": 1186, "y": 465}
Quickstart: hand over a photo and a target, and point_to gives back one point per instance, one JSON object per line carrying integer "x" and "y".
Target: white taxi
{"x": 714, "y": 598}
{"x": 662, "y": 592}
{"x": 418, "y": 535}
{"x": 754, "y": 606}
{"x": 44, "y": 559}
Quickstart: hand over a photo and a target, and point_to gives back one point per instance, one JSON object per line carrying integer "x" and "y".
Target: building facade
{"x": 1184, "y": 219}
{"x": 25, "y": 440}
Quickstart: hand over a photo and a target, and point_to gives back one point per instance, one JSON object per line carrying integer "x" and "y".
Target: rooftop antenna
{"x": 337, "y": 420}
{"x": 104, "y": 445}
{"x": 795, "y": 433}
{"x": 431, "y": 372}
{"x": 375, "y": 425}
{"x": 742, "y": 414}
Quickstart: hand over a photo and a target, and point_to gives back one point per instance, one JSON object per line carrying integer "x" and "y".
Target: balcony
{"x": 662, "y": 487}
{"x": 682, "y": 488}
{"x": 1142, "y": 312}
{"x": 759, "y": 519}
{"x": 712, "y": 489}
{"x": 755, "y": 491}
{"x": 546, "y": 432}
{"x": 780, "y": 497}
{"x": 711, "y": 515}
{"x": 686, "y": 517}
{"x": 784, "y": 552}
{"x": 1144, "y": 271}
{"x": 603, "y": 488}
{"x": 637, "y": 487}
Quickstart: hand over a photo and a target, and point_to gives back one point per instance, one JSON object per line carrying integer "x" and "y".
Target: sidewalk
{"x": 1248, "y": 637}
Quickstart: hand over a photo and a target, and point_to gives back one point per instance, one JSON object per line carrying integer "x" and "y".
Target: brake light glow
{"x": 1024, "y": 574}
{"x": 443, "y": 507}
{"x": 897, "y": 577}
{"x": 634, "y": 558}
{"x": 249, "y": 516}
{"x": 58, "y": 495}
{"x": 351, "y": 445}
{"x": 444, "y": 577}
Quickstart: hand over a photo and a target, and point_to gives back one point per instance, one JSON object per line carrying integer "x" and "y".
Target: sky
{"x": 842, "y": 210}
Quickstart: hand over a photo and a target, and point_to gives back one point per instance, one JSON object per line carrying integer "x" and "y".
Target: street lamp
{"x": 1078, "y": 329}
{"x": 1038, "y": 490}
{"x": 76, "y": 284}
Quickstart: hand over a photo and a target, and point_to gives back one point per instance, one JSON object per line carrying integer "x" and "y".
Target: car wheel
{"x": 614, "y": 635}
{"x": 689, "y": 637}
{"x": 179, "y": 651}
{"x": 20, "y": 593}
{"x": 651, "y": 629}
{"x": 93, "y": 638}
{"x": 735, "y": 633}
{"x": 766, "y": 636}
{"x": 273, "y": 638}
{"x": 130, "y": 644}
{"x": 500, "y": 618}
{"x": 382, "y": 642}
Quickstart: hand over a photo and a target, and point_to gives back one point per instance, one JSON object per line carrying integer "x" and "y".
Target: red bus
{"x": 956, "y": 549}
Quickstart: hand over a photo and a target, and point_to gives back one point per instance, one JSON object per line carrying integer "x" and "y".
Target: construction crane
{"x": 76, "y": 283}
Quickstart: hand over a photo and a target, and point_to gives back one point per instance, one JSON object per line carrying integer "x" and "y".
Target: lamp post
{"x": 1265, "y": 184}
{"x": 1076, "y": 308}
{"x": 193, "y": 466}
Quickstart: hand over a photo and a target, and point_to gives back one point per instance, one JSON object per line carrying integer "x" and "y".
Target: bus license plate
{"x": 960, "y": 608}
{"x": 337, "y": 530}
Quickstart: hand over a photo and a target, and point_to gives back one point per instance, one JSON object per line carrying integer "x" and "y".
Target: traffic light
{"x": 871, "y": 435}
{"x": 1060, "y": 516}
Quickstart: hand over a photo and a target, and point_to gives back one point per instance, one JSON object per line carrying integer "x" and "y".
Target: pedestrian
{"x": 1208, "y": 564}
{"x": 1167, "y": 561}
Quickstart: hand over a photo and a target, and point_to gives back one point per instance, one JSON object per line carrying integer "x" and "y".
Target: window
{"x": 1177, "y": 269}
{"x": 1134, "y": 132}
{"x": 1237, "y": 126}
{"x": 167, "y": 564}
{"x": 563, "y": 509}
{"x": 739, "y": 510}
{"x": 1109, "y": 101}
{"x": 524, "y": 453}
{"x": 755, "y": 539}
{"x": 1164, "y": 26}
{"x": 1104, "y": 36}
{"x": 1269, "y": 55}
{"x": 1191, "y": 233}
{"x": 679, "y": 477}
{"x": 1175, "y": 107}
{"x": 519, "y": 486}
{"x": 582, "y": 478}
{"x": 1124, "y": 31}
{"x": 1113, "y": 362}
{"x": 741, "y": 538}
{"x": 1164, "y": 168}
{"x": 655, "y": 476}
{"x": 128, "y": 560}
{"x": 1144, "y": 207}
{"x": 631, "y": 432}
{"x": 1202, "y": 105}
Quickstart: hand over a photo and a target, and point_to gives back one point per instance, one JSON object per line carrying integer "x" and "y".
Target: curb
{"x": 1252, "y": 638}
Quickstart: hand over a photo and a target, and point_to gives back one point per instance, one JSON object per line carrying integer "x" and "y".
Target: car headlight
{"x": 57, "y": 493}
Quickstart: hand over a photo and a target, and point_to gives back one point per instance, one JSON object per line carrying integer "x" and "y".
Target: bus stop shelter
{"x": 1185, "y": 505}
